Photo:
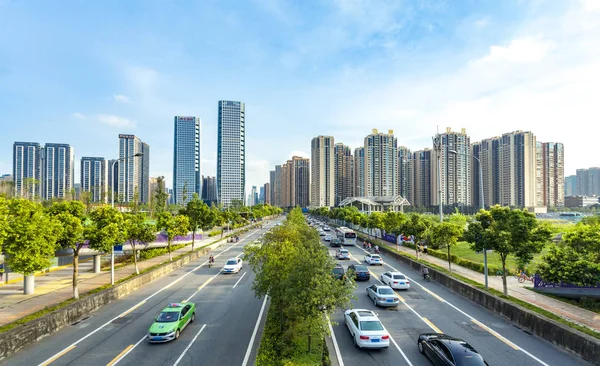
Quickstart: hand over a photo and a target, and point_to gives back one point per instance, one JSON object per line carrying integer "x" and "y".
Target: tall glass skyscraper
{"x": 27, "y": 169}
{"x": 134, "y": 177}
{"x": 187, "y": 176}
{"x": 58, "y": 171}
{"x": 231, "y": 152}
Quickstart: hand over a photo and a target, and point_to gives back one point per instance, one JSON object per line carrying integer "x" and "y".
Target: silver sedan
{"x": 383, "y": 295}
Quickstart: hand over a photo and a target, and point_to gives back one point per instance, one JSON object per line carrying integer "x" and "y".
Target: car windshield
{"x": 168, "y": 317}
{"x": 399, "y": 277}
{"x": 232, "y": 262}
{"x": 386, "y": 291}
{"x": 371, "y": 325}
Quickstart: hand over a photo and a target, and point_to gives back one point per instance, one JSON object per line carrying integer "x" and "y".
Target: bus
{"x": 346, "y": 235}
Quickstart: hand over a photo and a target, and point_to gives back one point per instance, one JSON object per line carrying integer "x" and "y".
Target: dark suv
{"x": 360, "y": 272}
{"x": 335, "y": 242}
{"x": 338, "y": 272}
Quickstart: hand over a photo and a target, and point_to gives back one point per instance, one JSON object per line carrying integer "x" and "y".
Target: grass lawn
{"x": 463, "y": 250}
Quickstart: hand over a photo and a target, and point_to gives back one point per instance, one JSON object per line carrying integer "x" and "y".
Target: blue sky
{"x": 84, "y": 71}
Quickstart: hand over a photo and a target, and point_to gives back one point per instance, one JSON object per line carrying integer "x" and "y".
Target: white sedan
{"x": 366, "y": 329}
{"x": 374, "y": 259}
{"x": 233, "y": 265}
{"x": 395, "y": 280}
{"x": 327, "y": 237}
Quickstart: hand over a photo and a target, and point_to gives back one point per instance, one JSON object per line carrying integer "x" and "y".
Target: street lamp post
{"x": 482, "y": 205}
{"x": 112, "y": 253}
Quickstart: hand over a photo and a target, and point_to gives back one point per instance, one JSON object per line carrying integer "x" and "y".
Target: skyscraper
{"x": 300, "y": 180}
{"x": 267, "y": 190}
{"x": 113, "y": 178}
{"x": 134, "y": 174}
{"x": 405, "y": 174}
{"x": 517, "y": 169}
{"x": 359, "y": 172}
{"x": 187, "y": 176}
{"x": 587, "y": 182}
{"x": 277, "y": 201}
{"x": 253, "y": 196}
{"x": 551, "y": 174}
{"x": 94, "y": 178}
{"x": 456, "y": 169}
{"x": 58, "y": 171}
{"x": 27, "y": 169}
{"x": 271, "y": 190}
{"x": 488, "y": 152}
{"x": 261, "y": 194}
{"x": 422, "y": 178}
{"x": 381, "y": 164}
{"x": 344, "y": 172}
{"x": 209, "y": 189}
{"x": 322, "y": 187}
{"x": 231, "y": 152}
{"x": 571, "y": 185}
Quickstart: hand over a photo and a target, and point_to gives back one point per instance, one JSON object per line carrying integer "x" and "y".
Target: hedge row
{"x": 155, "y": 252}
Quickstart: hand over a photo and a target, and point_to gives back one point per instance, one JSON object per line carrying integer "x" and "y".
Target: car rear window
{"x": 375, "y": 256}
{"x": 360, "y": 268}
{"x": 371, "y": 325}
{"x": 399, "y": 277}
{"x": 386, "y": 291}
{"x": 338, "y": 270}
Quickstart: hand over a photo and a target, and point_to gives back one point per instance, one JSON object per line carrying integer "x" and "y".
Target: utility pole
{"x": 437, "y": 147}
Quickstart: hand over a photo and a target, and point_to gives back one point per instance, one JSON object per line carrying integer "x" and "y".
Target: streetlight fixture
{"x": 112, "y": 254}
{"x": 482, "y": 204}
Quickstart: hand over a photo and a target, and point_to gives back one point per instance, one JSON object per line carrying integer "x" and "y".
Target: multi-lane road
{"x": 430, "y": 307}
{"x": 226, "y": 330}
{"x": 229, "y": 319}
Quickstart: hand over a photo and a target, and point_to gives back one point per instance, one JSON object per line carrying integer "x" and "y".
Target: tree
{"x": 160, "y": 196}
{"x": 585, "y": 238}
{"x": 302, "y": 292}
{"x": 184, "y": 193}
{"x": 134, "y": 204}
{"x": 199, "y": 215}
{"x": 3, "y": 220}
{"x": 392, "y": 220}
{"x": 86, "y": 198}
{"x": 563, "y": 263}
{"x": 71, "y": 215}
{"x": 173, "y": 226}
{"x": 508, "y": 232}
{"x": 446, "y": 233}
{"x": 415, "y": 225}
{"x": 137, "y": 230}
{"x": 105, "y": 229}
{"x": 31, "y": 237}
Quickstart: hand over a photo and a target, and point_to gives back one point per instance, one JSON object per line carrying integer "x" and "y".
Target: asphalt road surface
{"x": 430, "y": 307}
{"x": 227, "y": 329}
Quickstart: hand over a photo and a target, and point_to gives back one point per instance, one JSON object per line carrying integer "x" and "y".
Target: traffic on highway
{"x": 194, "y": 315}
{"x": 426, "y": 322}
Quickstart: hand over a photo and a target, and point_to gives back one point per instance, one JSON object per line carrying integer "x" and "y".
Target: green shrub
{"x": 214, "y": 232}
{"x": 155, "y": 252}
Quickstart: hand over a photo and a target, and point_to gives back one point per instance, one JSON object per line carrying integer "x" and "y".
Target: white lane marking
{"x": 249, "y": 349}
{"x": 201, "y": 287}
{"x": 400, "y": 350}
{"x": 496, "y": 334}
{"x": 336, "y": 347}
{"x": 128, "y": 351}
{"x": 189, "y": 345}
{"x": 238, "y": 281}
{"x": 63, "y": 351}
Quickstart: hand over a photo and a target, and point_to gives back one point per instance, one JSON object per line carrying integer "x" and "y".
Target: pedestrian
{"x": 425, "y": 249}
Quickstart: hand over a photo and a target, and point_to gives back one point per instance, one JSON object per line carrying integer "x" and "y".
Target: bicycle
{"x": 524, "y": 277}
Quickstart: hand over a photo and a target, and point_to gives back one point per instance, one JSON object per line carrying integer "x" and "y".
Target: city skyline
{"x": 512, "y": 65}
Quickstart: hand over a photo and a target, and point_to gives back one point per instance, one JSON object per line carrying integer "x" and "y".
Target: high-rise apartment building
{"x": 359, "y": 172}
{"x": 551, "y": 174}
{"x": 405, "y": 174}
{"x": 57, "y": 171}
{"x": 517, "y": 178}
{"x": 231, "y": 152}
{"x": 453, "y": 148}
{"x": 294, "y": 186}
{"x": 344, "y": 172}
{"x": 381, "y": 164}
{"x": 94, "y": 178}
{"x": 113, "y": 178}
{"x": 271, "y": 191}
{"x": 261, "y": 194}
{"x": 187, "y": 175}
{"x": 134, "y": 171}
{"x": 157, "y": 183}
{"x": 209, "y": 189}
{"x": 488, "y": 152}
{"x": 27, "y": 169}
{"x": 322, "y": 187}
{"x": 277, "y": 194}
{"x": 571, "y": 186}
{"x": 422, "y": 178}
{"x": 253, "y": 196}
{"x": 267, "y": 189}
{"x": 587, "y": 182}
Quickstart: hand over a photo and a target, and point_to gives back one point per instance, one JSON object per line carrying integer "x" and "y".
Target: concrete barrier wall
{"x": 581, "y": 344}
{"x": 24, "y": 335}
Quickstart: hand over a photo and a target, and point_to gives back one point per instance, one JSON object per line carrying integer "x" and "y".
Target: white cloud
{"x": 526, "y": 49}
{"x": 78, "y": 115}
{"x": 116, "y": 121}
{"x": 591, "y": 5}
{"x": 121, "y": 98}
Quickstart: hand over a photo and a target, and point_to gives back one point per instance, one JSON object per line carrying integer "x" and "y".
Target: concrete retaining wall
{"x": 24, "y": 335}
{"x": 583, "y": 345}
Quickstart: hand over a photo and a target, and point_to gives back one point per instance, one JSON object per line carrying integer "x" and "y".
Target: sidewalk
{"x": 56, "y": 287}
{"x": 567, "y": 311}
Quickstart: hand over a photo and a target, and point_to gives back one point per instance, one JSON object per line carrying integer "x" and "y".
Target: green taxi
{"x": 171, "y": 321}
